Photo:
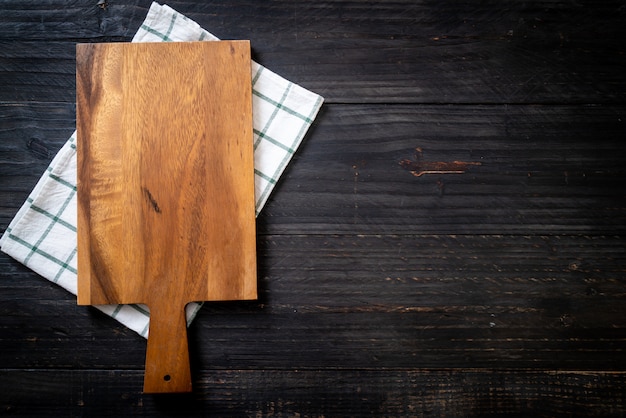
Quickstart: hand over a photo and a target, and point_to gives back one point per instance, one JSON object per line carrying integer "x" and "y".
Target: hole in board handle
{"x": 167, "y": 377}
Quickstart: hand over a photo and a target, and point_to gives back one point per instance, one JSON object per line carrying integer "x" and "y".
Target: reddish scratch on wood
{"x": 418, "y": 167}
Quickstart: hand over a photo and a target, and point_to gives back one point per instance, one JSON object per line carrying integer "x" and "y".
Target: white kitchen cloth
{"x": 42, "y": 235}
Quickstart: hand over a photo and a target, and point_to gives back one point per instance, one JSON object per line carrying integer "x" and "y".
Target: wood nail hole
{"x": 167, "y": 377}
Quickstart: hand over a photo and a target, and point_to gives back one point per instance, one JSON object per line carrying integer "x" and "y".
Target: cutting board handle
{"x": 167, "y": 354}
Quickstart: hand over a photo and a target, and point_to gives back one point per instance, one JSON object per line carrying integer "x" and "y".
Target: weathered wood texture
{"x": 372, "y": 301}
{"x": 360, "y": 393}
{"x": 496, "y": 291}
{"x": 426, "y": 51}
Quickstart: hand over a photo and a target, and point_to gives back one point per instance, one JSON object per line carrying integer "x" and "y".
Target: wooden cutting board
{"x": 165, "y": 186}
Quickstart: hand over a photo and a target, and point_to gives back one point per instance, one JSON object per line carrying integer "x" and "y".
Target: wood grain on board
{"x": 165, "y": 185}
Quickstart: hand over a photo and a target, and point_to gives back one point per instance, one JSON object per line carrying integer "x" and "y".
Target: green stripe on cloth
{"x": 305, "y": 126}
{"x": 282, "y": 107}
{"x": 50, "y": 226}
{"x": 138, "y": 308}
{"x": 156, "y": 32}
{"x": 63, "y": 182}
{"x": 42, "y": 253}
{"x": 298, "y": 138}
{"x": 272, "y": 117}
{"x": 169, "y": 30}
{"x": 144, "y": 330}
{"x": 268, "y": 138}
{"x": 117, "y": 310}
{"x": 256, "y": 76}
{"x": 164, "y": 36}
{"x": 53, "y": 217}
{"x": 62, "y": 269}
{"x": 264, "y": 176}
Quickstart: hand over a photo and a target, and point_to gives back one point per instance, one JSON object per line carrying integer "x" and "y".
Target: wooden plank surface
{"x": 376, "y": 52}
{"x": 497, "y": 291}
{"x": 340, "y": 301}
{"x": 362, "y": 393}
{"x": 542, "y": 168}
{"x": 556, "y": 169}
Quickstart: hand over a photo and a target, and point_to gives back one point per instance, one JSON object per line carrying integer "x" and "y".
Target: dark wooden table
{"x": 448, "y": 241}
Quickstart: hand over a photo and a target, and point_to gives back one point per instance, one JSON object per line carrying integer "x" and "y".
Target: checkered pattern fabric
{"x": 43, "y": 233}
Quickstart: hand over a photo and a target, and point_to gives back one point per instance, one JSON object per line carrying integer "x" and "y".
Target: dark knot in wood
{"x": 151, "y": 200}
{"x": 419, "y": 167}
